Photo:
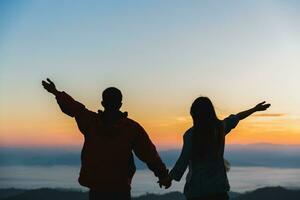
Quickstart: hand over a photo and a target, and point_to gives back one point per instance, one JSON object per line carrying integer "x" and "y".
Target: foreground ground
{"x": 274, "y": 193}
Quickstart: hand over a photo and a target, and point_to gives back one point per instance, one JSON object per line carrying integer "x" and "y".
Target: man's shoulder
{"x": 91, "y": 113}
{"x": 132, "y": 123}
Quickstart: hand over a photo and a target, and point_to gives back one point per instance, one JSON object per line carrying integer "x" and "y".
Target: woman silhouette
{"x": 203, "y": 150}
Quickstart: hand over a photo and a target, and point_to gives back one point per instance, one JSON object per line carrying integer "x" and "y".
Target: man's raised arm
{"x": 67, "y": 104}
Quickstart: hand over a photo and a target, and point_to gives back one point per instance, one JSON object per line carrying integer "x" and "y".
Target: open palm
{"x": 49, "y": 86}
{"x": 262, "y": 106}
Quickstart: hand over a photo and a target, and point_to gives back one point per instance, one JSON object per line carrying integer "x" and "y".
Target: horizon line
{"x": 78, "y": 147}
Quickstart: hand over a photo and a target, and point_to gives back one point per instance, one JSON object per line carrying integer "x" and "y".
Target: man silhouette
{"x": 107, "y": 164}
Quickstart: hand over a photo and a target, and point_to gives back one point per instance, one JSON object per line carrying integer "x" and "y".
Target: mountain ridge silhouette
{"x": 274, "y": 193}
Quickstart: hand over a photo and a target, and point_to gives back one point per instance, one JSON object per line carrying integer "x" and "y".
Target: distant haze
{"x": 266, "y": 155}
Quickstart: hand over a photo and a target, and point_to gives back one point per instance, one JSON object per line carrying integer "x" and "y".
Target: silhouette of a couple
{"x": 111, "y": 138}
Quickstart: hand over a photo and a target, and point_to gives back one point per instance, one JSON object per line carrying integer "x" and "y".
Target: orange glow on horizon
{"x": 165, "y": 134}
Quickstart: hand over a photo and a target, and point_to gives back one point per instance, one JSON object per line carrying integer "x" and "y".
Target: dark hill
{"x": 272, "y": 193}
{"x": 168, "y": 196}
{"x": 48, "y": 194}
{"x": 4, "y": 193}
{"x": 57, "y": 194}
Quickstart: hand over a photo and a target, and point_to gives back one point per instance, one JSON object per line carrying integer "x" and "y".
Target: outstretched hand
{"x": 167, "y": 182}
{"x": 49, "y": 86}
{"x": 262, "y": 106}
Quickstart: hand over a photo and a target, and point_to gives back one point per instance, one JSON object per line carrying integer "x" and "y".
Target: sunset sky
{"x": 161, "y": 54}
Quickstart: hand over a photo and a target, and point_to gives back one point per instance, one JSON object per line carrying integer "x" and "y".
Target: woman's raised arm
{"x": 259, "y": 107}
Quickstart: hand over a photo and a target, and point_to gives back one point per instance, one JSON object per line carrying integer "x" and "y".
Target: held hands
{"x": 167, "y": 182}
{"x": 49, "y": 86}
{"x": 262, "y": 106}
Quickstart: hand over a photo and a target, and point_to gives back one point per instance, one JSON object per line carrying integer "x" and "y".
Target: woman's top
{"x": 204, "y": 177}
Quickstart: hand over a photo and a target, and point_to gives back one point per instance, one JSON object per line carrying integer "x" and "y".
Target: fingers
{"x": 167, "y": 186}
{"x": 48, "y": 79}
{"x": 262, "y": 103}
{"x": 164, "y": 183}
{"x": 262, "y": 106}
{"x": 45, "y": 84}
{"x": 266, "y": 105}
{"x": 159, "y": 183}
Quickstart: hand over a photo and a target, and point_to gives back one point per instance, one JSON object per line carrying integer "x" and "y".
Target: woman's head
{"x": 207, "y": 129}
{"x": 203, "y": 112}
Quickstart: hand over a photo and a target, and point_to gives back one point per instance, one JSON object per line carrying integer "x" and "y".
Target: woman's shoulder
{"x": 188, "y": 133}
{"x": 230, "y": 122}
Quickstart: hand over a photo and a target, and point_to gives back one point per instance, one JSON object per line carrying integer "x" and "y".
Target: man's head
{"x": 111, "y": 99}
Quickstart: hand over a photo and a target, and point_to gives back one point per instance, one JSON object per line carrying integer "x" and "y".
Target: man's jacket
{"x": 107, "y": 162}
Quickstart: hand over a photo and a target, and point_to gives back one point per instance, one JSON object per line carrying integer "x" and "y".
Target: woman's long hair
{"x": 207, "y": 132}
